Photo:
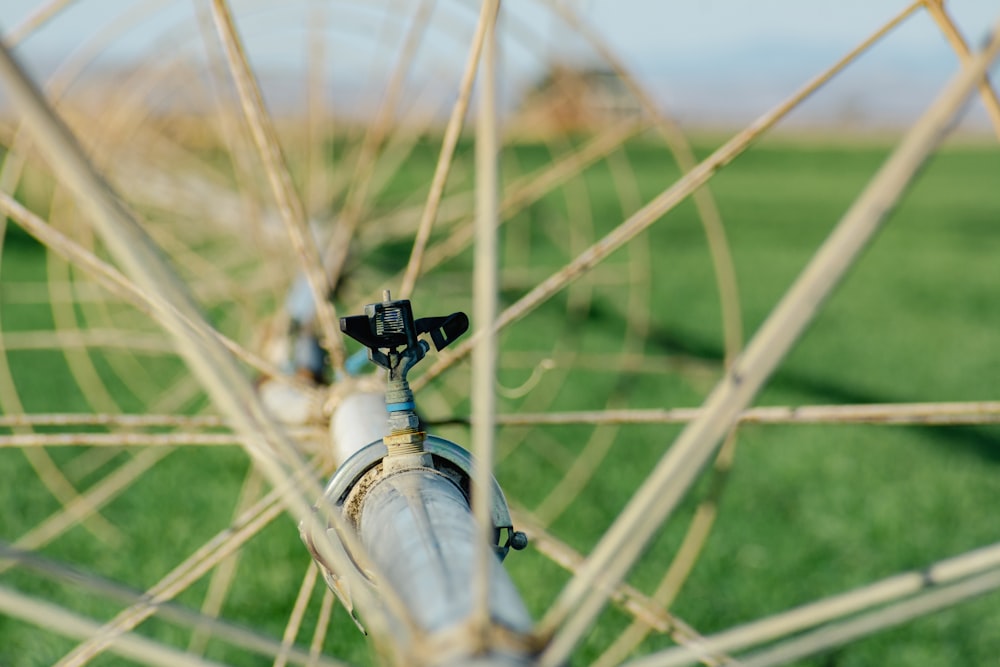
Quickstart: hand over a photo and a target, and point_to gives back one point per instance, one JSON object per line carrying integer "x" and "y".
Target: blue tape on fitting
{"x": 399, "y": 407}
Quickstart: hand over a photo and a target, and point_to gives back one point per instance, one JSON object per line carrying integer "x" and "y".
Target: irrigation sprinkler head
{"x": 392, "y": 337}
{"x": 390, "y": 333}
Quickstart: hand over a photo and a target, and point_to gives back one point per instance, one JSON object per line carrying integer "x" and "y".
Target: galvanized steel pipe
{"x": 416, "y": 525}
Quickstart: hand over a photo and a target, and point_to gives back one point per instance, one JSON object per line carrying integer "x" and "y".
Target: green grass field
{"x": 807, "y": 511}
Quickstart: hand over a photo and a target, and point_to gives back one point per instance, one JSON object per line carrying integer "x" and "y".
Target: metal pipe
{"x": 359, "y": 420}
{"x": 412, "y": 515}
{"x": 417, "y": 526}
{"x": 408, "y": 499}
{"x": 485, "y": 290}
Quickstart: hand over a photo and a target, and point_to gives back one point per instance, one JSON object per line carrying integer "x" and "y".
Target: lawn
{"x": 807, "y": 511}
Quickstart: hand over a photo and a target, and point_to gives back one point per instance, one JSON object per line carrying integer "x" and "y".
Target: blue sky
{"x": 718, "y": 61}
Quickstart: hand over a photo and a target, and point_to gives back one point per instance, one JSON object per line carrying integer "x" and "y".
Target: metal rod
{"x": 149, "y": 303}
{"x": 279, "y": 178}
{"x": 784, "y": 624}
{"x": 876, "y": 621}
{"x": 132, "y": 420}
{"x": 661, "y": 204}
{"x": 585, "y": 596}
{"x": 704, "y": 200}
{"x": 629, "y": 599}
{"x": 58, "y": 619}
{"x": 208, "y": 360}
{"x": 484, "y": 298}
{"x": 951, "y": 32}
{"x": 42, "y": 14}
{"x": 177, "y": 439}
{"x": 88, "y": 503}
{"x": 899, "y": 414}
{"x": 445, "y": 158}
{"x": 356, "y": 200}
{"x": 172, "y": 612}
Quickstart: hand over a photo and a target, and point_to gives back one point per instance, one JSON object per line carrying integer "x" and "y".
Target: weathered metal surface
{"x": 408, "y": 496}
{"x": 417, "y": 527}
{"x": 447, "y": 457}
{"x": 412, "y": 514}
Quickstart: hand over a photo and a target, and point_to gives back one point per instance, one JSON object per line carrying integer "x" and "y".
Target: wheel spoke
{"x": 65, "y": 622}
{"x": 292, "y": 214}
{"x": 963, "y": 568}
{"x": 627, "y": 598}
{"x": 708, "y": 211}
{"x": 298, "y": 612}
{"x": 658, "y": 207}
{"x": 374, "y": 138}
{"x": 180, "y": 578}
{"x": 485, "y": 295}
{"x": 36, "y": 20}
{"x": 951, "y": 33}
{"x": 581, "y": 601}
{"x": 224, "y": 574}
{"x": 931, "y": 414}
{"x": 117, "y": 284}
{"x": 876, "y": 621}
{"x": 208, "y": 360}
{"x": 179, "y": 159}
{"x": 182, "y": 616}
{"x": 87, "y": 504}
{"x": 446, "y": 157}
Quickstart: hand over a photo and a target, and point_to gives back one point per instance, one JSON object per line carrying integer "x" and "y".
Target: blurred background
{"x": 712, "y": 64}
{"x": 115, "y": 464}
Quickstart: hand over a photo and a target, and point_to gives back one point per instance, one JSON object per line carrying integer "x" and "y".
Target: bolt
{"x": 518, "y": 540}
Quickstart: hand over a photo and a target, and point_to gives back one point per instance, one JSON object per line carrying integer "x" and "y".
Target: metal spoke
{"x": 148, "y": 302}
{"x": 270, "y": 448}
{"x": 278, "y": 176}
{"x": 176, "y": 439}
{"x": 984, "y": 561}
{"x": 88, "y": 503}
{"x": 708, "y": 211}
{"x": 180, "y": 578}
{"x": 526, "y": 190}
{"x": 374, "y": 138}
{"x": 627, "y": 598}
{"x": 936, "y": 8}
{"x": 876, "y": 621}
{"x": 659, "y": 206}
{"x": 224, "y": 574}
{"x": 930, "y": 414}
{"x": 34, "y": 21}
{"x": 64, "y": 622}
{"x": 448, "y": 144}
{"x": 298, "y": 613}
{"x": 582, "y": 600}
{"x": 485, "y": 295}
{"x": 168, "y": 611}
